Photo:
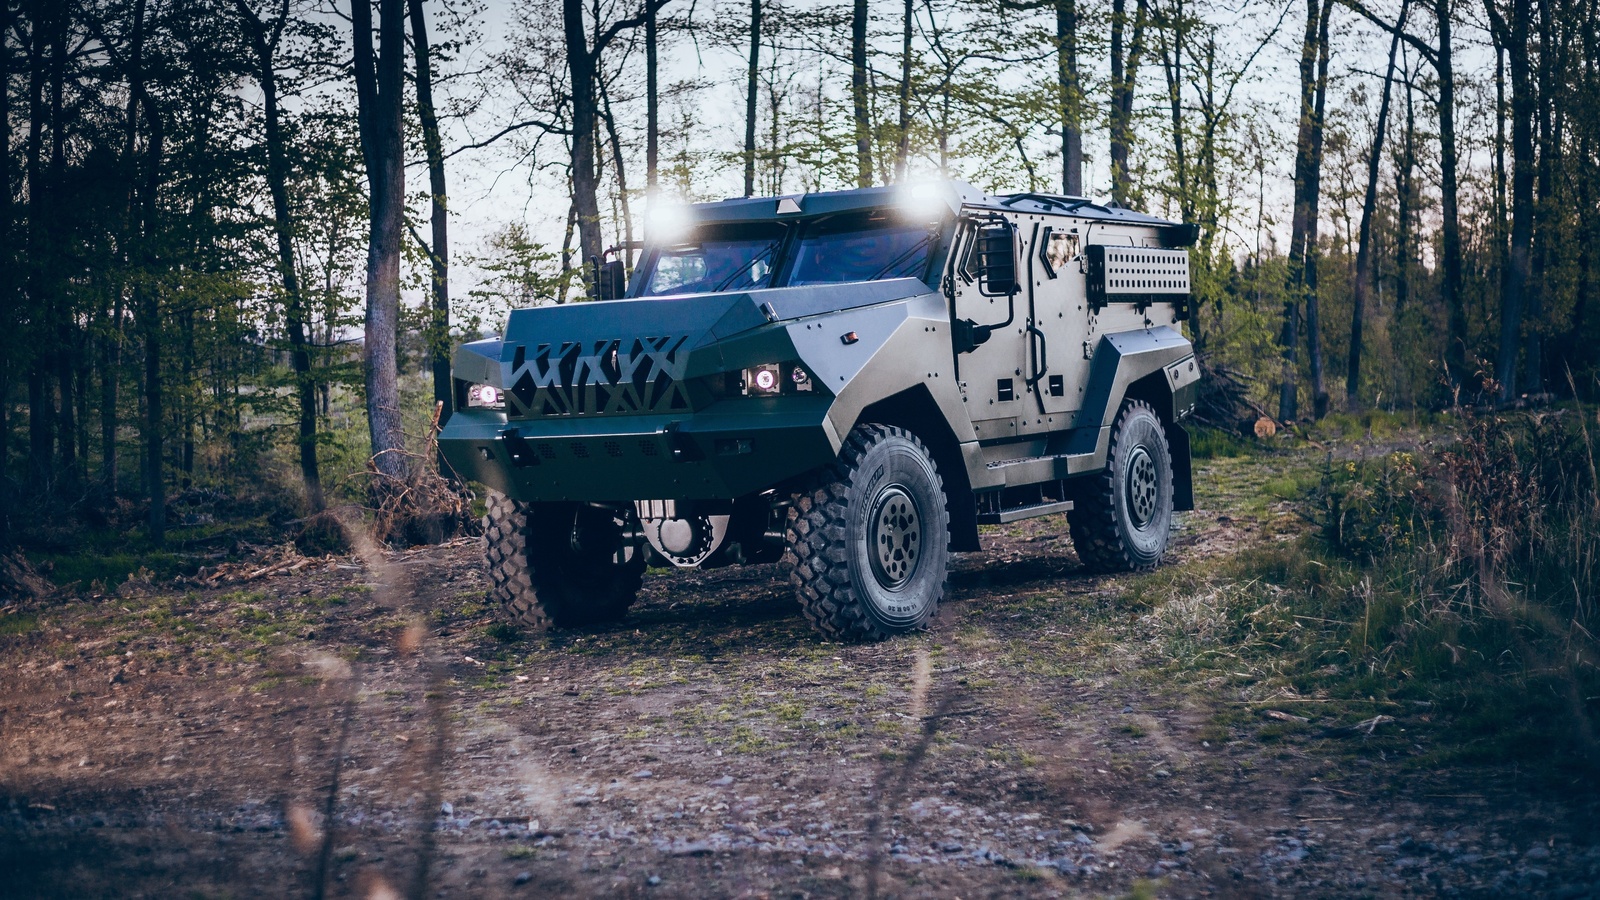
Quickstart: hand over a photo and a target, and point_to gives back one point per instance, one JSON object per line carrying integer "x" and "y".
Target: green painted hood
{"x": 644, "y": 355}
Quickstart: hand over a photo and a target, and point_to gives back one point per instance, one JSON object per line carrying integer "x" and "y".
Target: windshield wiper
{"x": 745, "y": 269}
{"x": 900, "y": 260}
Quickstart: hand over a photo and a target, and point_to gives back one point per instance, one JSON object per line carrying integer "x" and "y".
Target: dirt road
{"x": 168, "y": 742}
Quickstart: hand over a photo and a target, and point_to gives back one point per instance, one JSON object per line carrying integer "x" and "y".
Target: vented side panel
{"x": 1141, "y": 275}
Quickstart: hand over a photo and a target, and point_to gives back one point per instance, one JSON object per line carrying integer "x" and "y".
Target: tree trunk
{"x": 585, "y": 180}
{"x": 902, "y": 155}
{"x": 110, "y": 368}
{"x": 1172, "y": 67}
{"x": 62, "y": 349}
{"x": 439, "y": 250}
{"x": 41, "y": 403}
{"x": 1515, "y": 32}
{"x": 752, "y": 83}
{"x": 1303, "y": 227}
{"x": 1071, "y": 98}
{"x": 1450, "y": 227}
{"x": 615, "y": 140}
{"x": 265, "y": 47}
{"x": 858, "y": 93}
{"x": 1546, "y": 223}
{"x": 8, "y": 273}
{"x": 1313, "y": 251}
{"x": 154, "y": 452}
{"x": 379, "y": 109}
{"x": 566, "y": 252}
{"x": 1369, "y": 203}
{"x": 1124, "y": 80}
{"x": 111, "y": 354}
{"x": 148, "y": 304}
{"x": 1119, "y": 146}
{"x": 1589, "y": 220}
{"x": 652, "y": 106}
{"x": 1502, "y": 206}
{"x": 1405, "y": 192}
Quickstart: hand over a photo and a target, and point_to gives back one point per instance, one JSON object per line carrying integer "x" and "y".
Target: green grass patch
{"x": 1206, "y": 442}
{"x": 17, "y": 625}
{"x": 502, "y": 632}
{"x": 1299, "y": 629}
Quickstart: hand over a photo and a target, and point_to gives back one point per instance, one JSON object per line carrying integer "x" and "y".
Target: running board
{"x": 1036, "y": 469}
{"x": 1015, "y": 514}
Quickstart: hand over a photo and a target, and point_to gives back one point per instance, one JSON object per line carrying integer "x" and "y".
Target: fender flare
{"x": 1154, "y": 365}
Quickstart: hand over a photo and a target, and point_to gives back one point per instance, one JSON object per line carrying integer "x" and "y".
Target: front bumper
{"x": 715, "y": 454}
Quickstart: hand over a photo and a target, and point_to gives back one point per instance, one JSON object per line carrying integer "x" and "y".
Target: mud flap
{"x": 1182, "y": 476}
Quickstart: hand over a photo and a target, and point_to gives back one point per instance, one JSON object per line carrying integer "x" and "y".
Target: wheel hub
{"x": 895, "y": 534}
{"x": 1142, "y": 487}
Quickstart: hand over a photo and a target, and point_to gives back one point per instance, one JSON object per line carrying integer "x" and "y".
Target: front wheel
{"x": 559, "y": 565}
{"x": 1122, "y": 516}
{"x": 868, "y": 541}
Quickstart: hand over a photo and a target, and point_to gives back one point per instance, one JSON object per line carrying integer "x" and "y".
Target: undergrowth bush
{"x": 1452, "y": 586}
{"x": 1503, "y": 520}
{"x": 1480, "y": 560}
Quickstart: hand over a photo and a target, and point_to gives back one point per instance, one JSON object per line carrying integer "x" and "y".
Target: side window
{"x": 674, "y": 269}
{"x": 1061, "y": 249}
{"x": 968, "y": 249}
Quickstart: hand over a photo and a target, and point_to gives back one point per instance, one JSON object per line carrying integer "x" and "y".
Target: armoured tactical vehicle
{"x": 850, "y": 381}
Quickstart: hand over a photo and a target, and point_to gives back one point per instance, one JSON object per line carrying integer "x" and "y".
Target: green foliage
{"x": 518, "y": 271}
{"x": 1451, "y": 587}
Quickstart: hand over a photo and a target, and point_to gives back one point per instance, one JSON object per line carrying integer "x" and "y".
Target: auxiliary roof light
{"x": 667, "y": 222}
{"x": 923, "y": 201}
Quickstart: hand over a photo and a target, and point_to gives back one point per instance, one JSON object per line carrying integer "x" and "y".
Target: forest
{"x": 216, "y": 265}
{"x": 247, "y": 639}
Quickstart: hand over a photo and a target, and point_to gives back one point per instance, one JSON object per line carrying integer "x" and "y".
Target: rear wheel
{"x": 1122, "y": 517}
{"x": 560, "y": 565}
{"x": 868, "y": 541}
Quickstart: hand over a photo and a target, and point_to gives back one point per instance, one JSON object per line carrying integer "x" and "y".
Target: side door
{"x": 992, "y": 374}
{"x": 1055, "y": 365}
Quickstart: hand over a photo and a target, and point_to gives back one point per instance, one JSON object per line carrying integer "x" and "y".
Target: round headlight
{"x": 766, "y": 379}
{"x": 484, "y": 395}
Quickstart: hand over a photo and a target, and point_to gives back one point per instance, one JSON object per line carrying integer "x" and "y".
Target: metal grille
{"x": 1141, "y": 275}
{"x": 617, "y": 376}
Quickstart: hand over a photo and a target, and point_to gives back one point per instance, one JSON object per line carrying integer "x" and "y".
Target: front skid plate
{"x": 707, "y": 456}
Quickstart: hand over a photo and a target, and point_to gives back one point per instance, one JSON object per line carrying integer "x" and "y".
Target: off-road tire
{"x": 541, "y": 581}
{"x": 1122, "y": 516}
{"x": 868, "y": 540}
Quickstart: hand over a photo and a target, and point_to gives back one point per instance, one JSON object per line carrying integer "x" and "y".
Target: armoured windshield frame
{"x": 720, "y": 257}
{"x": 924, "y": 263}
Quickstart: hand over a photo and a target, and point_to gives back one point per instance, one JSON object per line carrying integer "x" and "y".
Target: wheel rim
{"x": 895, "y": 535}
{"x": 596, "y": 539}
{"x": 1142, "y": 487}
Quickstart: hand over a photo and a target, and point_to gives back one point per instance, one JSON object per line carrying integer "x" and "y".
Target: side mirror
{"x": 611, "y": 281}
{"x": 996, "y": 258}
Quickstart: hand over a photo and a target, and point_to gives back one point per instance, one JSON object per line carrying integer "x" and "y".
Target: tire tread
{"x": 540, "y": 598}
{"x": 816, "y": 533}
{"x": 1096, "y": 534}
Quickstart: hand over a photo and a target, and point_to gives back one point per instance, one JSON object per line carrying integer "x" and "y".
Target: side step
{"x": 1018, "y": 513}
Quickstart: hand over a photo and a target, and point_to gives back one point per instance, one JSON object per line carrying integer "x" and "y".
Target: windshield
{"x": 720, "y": 259}
{"x": 862, "y": 248}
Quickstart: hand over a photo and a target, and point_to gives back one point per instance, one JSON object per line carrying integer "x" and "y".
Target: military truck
{"x": 852, "y": 382}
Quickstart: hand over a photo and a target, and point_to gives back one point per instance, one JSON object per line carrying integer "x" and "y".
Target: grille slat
{"x": 617, "y": 376}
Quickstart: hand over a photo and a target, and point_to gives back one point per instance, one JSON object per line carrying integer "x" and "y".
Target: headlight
{"x": 765, "y": 380}
{"x": 485, "y": 396}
